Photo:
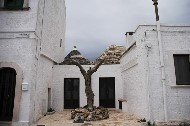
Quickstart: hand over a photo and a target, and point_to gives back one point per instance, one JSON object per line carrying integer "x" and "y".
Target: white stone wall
{"x": 176, "y": 40}
{"x": 19, "y": 21}
{"x": 50, "y": 30}
{"x": 108, "y": 71}
{"x": 43, "y": 82}
{"x": 135, "y": 74}
{"x": 21, "y": 51}
{"x": 37, "y": 72}
{"x": 133, "y": 68}
{"x": 155, "y": 87}
{"x": 70, "y": 71}
{"x": 53, "y": 29}
{"x": 31, "y": 39}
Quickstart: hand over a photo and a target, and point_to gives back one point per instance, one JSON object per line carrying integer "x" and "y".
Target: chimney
{"x": 75, "y": 48}
{"x": 129, "y": 37}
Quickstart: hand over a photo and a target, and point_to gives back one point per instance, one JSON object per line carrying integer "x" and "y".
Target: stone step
{"x": 174, "y": 124}
{"x": 2, "y": 123}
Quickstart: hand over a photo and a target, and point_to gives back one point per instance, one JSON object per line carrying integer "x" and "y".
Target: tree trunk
{"x": 89, "y": 92}
{"x": 87, "y": 76}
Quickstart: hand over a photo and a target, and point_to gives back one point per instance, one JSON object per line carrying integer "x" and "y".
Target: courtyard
{"x": 146, "y": 63}
{"x": 116, "y": 119}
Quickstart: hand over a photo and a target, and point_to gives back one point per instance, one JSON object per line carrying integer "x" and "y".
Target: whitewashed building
{"x": 156, "y": 74}
{"x": 69, "y": 85}
{"x": 152, "y": 80}
{"x": 32, "y": 34}
{"x": 106, "y": 85}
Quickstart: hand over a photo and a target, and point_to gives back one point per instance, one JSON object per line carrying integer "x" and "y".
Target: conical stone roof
{"x": 75, "y": 55}
{"x": 112, "y": 54}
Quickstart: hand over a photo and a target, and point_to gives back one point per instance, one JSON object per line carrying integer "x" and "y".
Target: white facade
{"x": 146, "y": 94}
{"x": 71, "y": 71}
{"x": 33, "y": 40}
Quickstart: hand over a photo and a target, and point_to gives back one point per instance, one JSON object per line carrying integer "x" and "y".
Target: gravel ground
{"x": 116, "y": 119}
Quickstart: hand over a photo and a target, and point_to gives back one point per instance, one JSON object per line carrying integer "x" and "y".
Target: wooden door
{"x": 71, "y": 93}
{"x": 107, "y": 92}
{"x": 7, "y": 93}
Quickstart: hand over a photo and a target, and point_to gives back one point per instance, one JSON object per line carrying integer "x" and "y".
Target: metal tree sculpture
{"x": 87, "y": 77}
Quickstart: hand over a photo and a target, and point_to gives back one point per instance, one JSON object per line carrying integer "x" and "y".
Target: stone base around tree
{"x": 89, "y": 114}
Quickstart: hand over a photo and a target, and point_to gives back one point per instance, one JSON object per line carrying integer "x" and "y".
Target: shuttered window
{"x": 13, "y": 4}
{"x": 182, "y": 69}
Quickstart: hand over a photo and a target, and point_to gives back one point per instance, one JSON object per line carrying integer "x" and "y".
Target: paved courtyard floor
{"x": 116, "y": 119}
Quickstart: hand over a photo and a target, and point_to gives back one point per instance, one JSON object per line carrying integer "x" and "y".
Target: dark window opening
{"x": 182, "y": 68}
{"x": 120, "y": 104}
{"x": 60, "y": 42}
{"x": 71, "y": 93}
{"x": 107, "y": 92}
{"x": 13, "y": 4}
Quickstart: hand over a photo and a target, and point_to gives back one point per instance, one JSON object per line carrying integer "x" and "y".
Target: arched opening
{"x": 7, "y": 93}
{"x": 18, "y": 91}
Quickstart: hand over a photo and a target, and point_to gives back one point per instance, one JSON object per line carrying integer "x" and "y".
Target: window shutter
{"x": 1, "y": 3}
{"x": 14, "y": 4}
{"x": 182, "y": 69}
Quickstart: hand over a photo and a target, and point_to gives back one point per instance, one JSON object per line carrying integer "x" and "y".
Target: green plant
{"x": 50, "y": 110}
{"x": 142, "y": 120}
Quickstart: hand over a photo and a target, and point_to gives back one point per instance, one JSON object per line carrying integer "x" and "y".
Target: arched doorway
{"x": 7, "y": 93}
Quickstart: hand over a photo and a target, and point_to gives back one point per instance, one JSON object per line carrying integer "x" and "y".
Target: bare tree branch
{"x": 80, "y": 67}
{"x": 94, "y": 69}
{"x": 87, "y": 77}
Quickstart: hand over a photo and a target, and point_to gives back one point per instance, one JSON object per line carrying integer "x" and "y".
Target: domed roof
{"x": 112, "y": 54}
{"x": 75, "y": 55}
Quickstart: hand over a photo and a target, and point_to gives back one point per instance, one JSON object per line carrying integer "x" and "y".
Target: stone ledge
{"x": 122, "y": 100}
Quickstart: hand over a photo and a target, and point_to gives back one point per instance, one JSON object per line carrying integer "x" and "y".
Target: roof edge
{"x": 128, "y": 48}
{"x": 161, "y": 24}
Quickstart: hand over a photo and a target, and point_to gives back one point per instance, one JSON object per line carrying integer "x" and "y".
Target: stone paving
{"x": 116, "y": 119}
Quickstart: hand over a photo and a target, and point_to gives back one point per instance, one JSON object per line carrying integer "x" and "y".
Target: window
{"x": 14, "y": 4}
{"x": 182, "y": 68}
{"x": 60, "y": 42}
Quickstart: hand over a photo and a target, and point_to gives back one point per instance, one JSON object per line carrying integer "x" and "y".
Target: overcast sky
{"x": 93, "y": 25}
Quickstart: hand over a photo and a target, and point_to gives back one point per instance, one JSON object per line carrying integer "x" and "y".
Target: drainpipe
{"x": 163, "y": 79}
{"x": 148, "y": 49}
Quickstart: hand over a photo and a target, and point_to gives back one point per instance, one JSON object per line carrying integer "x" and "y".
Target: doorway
{"x": 49, "y": 98}
{"x": 71, "y": 93}
{"x": 7, "y": 93}
{"x": 107, "y": 92}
